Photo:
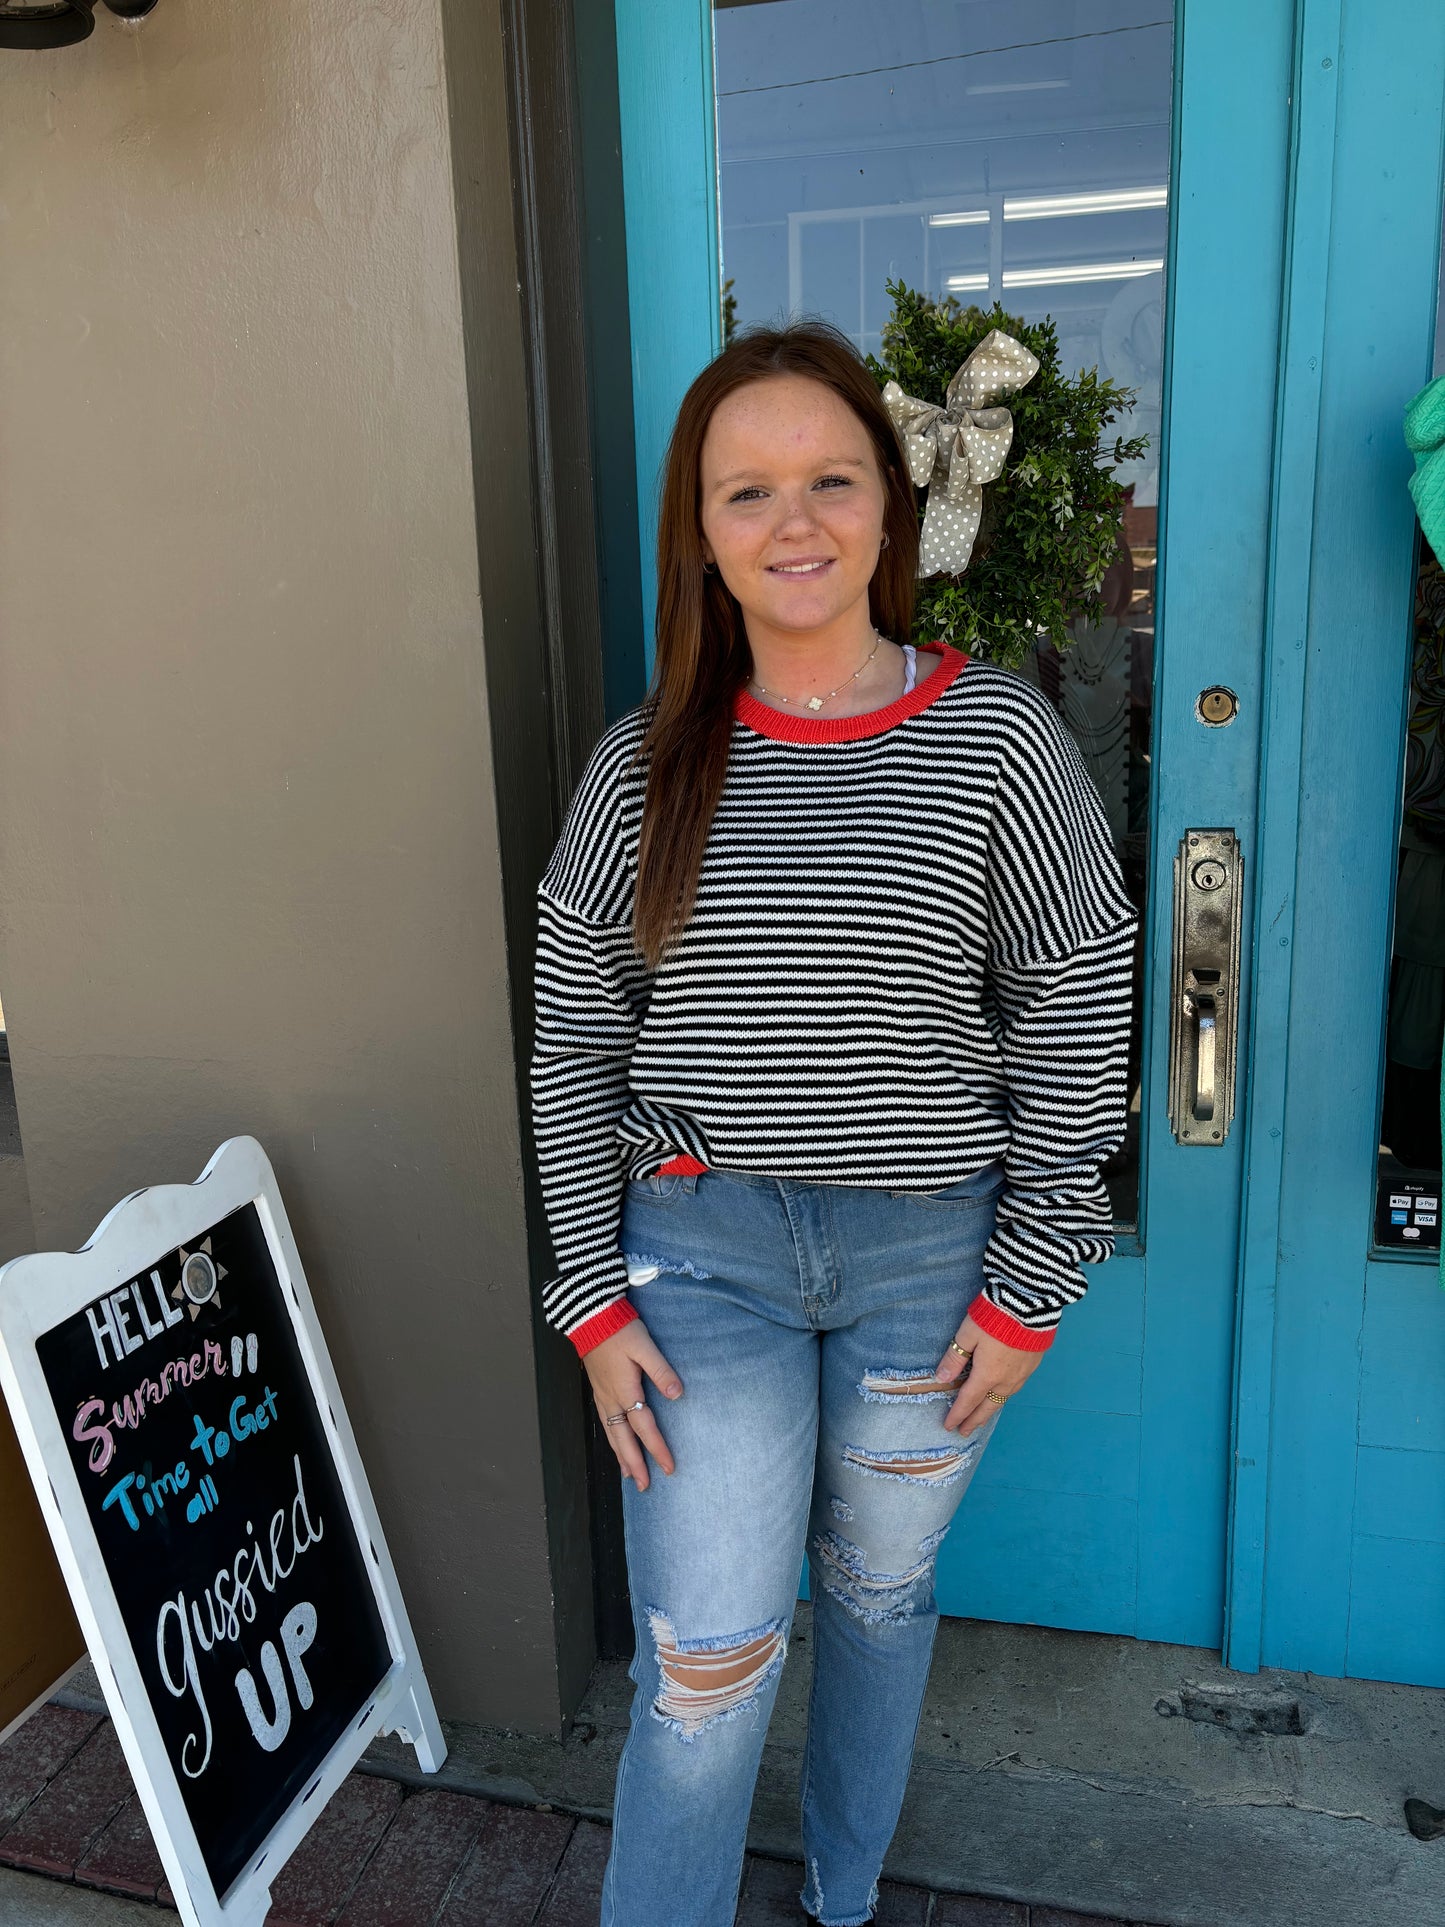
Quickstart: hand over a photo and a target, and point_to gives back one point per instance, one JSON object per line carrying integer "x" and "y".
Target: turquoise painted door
{"x": 1339, "y": 1517}
{"x": 1172, "y": 192}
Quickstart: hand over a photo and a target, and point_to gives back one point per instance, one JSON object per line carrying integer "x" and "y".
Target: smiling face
{"x": 792, "y": 506}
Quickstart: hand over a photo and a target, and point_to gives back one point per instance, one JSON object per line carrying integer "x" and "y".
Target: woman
{"x": 832, "y": 986}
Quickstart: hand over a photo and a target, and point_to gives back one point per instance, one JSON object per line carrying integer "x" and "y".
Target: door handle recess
{"x": 1204, "y": 999}
{"x": 1206, "y": 1031}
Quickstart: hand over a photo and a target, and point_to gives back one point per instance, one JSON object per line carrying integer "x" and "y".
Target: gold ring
{"x": 954, "y": 1346}
{"x": 997, "y": 1398}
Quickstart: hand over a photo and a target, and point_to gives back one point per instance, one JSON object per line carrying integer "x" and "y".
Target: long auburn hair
{"x": 703, "y": 658}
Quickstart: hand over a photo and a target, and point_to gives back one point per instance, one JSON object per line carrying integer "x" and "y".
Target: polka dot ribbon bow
{"x": 952, "y": 451}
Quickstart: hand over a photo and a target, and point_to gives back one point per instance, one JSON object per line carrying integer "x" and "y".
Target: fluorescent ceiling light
{"x": 1083, "y": 271}
{"x": 1051, "y": 206}
{"x": 965, "y": 283}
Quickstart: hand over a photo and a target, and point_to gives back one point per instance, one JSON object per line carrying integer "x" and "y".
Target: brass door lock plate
{"x": 1204, "y": 988}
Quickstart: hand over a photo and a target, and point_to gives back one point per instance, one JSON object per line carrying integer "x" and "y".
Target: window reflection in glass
{"x": 988, "y": 150}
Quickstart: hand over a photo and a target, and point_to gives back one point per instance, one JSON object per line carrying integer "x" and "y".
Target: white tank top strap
{"x": 910, "y": 674}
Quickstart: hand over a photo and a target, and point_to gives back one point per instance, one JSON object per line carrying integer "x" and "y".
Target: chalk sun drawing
{"x": 200, "y": 1278}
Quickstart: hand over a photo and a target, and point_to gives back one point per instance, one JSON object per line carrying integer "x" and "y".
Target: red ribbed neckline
{"x": 849, "y": 729}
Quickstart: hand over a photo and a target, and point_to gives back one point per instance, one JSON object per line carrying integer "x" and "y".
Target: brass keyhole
{"x": 1217, "y": 706}
{"x": 1208, "y": 874}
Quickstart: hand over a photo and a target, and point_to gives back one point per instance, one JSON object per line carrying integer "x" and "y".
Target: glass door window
{"x": 980, "y": 151}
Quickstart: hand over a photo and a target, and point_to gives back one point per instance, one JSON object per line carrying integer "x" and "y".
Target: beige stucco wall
{"x": 249, "y": 871}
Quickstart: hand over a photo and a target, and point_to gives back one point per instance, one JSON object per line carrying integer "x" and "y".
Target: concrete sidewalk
{"x": 29, "y": 1900}
{"x": 1102, "y": 1775}
{"x": 380, "y": 1855}
{"x": 1060, "y": 1779}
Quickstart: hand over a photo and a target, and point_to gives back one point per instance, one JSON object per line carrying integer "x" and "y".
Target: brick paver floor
{"x": 383, "y": 1855}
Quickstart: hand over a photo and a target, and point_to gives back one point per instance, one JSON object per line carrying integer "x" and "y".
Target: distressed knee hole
{"x": 933, "y": 1465}
{"x": 711, "y": 1679}
{"x": 905, "y": 1388}
{"x": 642, "y": 1268}
{"x": 877, "y": 1598}
{"x": 843, "y": 1556}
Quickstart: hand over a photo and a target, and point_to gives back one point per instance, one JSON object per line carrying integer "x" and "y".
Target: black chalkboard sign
{"x": 186, "y": 1438}
{"x": 222, "y": 1524}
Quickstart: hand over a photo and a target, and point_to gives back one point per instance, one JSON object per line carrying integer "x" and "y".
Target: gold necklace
{"x": 817, "y": 702}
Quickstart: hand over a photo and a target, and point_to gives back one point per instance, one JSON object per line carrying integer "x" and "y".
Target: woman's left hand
{"x": 995, "y": 1367}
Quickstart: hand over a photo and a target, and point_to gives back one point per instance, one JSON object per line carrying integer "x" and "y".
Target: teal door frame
{"x": 1296, "y": 423}
{"x": 669, "y": 184}
{"x": 1188, "y": 1380}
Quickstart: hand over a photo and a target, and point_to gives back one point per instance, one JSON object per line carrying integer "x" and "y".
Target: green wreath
{"x": 1051, "y": 522}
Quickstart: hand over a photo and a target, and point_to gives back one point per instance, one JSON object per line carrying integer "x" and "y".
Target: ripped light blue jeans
{"x": 806, "y": 1322}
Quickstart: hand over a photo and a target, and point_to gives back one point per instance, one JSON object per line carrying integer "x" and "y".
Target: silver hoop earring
{"x": 707, "y": 568}
{"x": 884, "y": 543}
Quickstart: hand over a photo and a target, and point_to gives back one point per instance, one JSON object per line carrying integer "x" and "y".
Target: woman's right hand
{"x": 616, "y": 1368}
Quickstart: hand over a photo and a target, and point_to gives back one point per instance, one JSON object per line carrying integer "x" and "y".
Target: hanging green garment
{"x": 1425, "y": 439}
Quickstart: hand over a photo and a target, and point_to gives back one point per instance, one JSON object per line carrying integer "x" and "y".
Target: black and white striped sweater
{"x": 910, "y": 955}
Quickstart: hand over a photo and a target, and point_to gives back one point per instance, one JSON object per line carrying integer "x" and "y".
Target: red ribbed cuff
{"x": 602, "y": 1324}
{"x": 683, "y": 1165}
{"x": 987, "y": 1316}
